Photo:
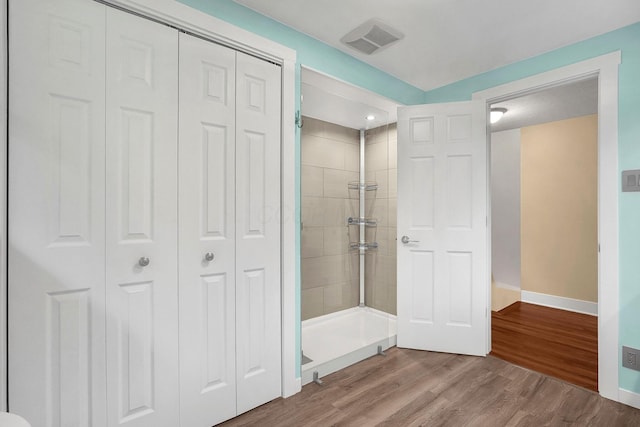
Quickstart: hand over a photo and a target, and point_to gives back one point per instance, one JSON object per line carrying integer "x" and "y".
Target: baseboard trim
{"x": 629, "y": 398}
{"x": 569, "y": 304}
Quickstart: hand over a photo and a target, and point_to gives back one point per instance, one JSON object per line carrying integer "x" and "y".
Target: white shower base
{"x": 337, "y": 340}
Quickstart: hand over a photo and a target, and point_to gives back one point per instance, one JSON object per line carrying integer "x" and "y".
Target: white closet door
{"x": 207, "y": 226}
{"x": 56, "y": 212}
{"x": 258, "y": 333}
{"x": 142, "y": 300}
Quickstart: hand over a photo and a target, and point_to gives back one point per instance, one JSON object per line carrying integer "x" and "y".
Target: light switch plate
{"x": 631, "y": 358}
{"x": 631, "y": 180}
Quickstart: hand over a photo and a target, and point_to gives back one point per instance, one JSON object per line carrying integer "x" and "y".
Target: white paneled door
{"x": 141, "y": 225}
{"x": 56, "y": 213}
{"x": 144, "y": 222}
{"x": 442, "y": 228}
{"x": 258, "y": 312}
{"x": 207, "y": 157}
{"x": 229, "y": 232}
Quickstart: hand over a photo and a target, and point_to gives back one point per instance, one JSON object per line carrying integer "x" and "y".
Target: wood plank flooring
{"x": 420, "y": 388}
{"x": 555, "y": 342}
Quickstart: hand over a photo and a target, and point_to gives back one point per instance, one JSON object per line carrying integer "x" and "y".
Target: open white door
{"x": 442, "y": 228}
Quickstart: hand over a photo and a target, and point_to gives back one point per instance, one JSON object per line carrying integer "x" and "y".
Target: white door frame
{"x": 605, "y": 67}
{"x": 4, "y": 84}
{"x": 199, "y": 23}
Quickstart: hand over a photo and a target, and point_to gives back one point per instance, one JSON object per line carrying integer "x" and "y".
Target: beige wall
{"x": 380, "y": 266}
{"x": 330, "y": 159}
{"x": 559, "y": 208}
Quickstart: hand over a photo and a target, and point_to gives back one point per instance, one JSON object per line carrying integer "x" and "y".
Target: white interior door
{"x": 442, "y": 210}
{"x": 207, "y": 232}
{"x": 141, "y": 244}
{"x": 56, "y": 212}
{"x": 258, "y": 280}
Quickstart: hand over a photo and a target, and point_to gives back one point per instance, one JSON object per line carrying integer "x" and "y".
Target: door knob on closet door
{"x": 143, "y": 261}
{"x": 209, "y": 256}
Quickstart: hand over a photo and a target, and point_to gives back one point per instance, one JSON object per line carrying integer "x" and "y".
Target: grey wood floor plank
{"x": 420, "y": 388}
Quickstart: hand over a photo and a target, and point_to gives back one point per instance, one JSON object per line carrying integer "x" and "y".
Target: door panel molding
{"x": 201, "y": 24}
{"x": 441, "y": 213}
{"x": 181, "y": 16}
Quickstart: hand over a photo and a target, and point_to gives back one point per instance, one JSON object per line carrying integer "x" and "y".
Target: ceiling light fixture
{"x": 371, "y": 117}
{"x": 495, "y": 114}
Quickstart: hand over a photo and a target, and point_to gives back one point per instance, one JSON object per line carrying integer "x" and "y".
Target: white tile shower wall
{"x": 330, "y": 160}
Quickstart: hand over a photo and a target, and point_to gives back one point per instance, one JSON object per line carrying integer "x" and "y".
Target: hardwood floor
{"x": 420, "y": 388}
{"x": 555, "y": 342}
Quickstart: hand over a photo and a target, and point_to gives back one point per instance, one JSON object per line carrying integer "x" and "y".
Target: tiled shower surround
{"x": 330, "y": 160}
{"x": 380, "y": 266}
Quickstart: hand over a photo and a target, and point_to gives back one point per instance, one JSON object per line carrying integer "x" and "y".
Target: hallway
{"x": 559, "y": 343}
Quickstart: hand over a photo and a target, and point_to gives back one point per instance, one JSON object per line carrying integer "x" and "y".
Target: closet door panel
{"x": 258, "y": 231}
{"x": 56, "y": 212}
{"x": 142, "y": 307}
{"x": 207, "y": 226}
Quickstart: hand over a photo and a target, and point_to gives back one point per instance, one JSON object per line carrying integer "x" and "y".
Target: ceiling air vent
{"x": 372, "y": 36}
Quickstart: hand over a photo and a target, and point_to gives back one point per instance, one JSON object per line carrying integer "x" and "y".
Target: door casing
{"x": 605, "y": 67}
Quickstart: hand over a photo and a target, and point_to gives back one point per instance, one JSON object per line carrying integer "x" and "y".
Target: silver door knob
{"x": 405, "y": 240}
{"x": 209, "y": 256}
{"x": 143, "y": 262}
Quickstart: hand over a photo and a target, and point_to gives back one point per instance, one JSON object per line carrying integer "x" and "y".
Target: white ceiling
{"x": 449, "y": 40}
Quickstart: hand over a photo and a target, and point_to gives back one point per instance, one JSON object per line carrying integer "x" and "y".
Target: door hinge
{"x": 299, "y": 120}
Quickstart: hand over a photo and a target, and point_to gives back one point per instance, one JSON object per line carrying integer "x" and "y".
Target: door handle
{"x": 405, "y": 240}
{"x": 209, "y": 256}
{"x": 143, "y": 262}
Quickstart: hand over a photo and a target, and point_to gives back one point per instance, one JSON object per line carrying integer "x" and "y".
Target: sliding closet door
{"x": 142, "y": 291}
{"x": 258, "y": 332}
{"x": 207, "y": 233}
{"x": 56, "y": 212}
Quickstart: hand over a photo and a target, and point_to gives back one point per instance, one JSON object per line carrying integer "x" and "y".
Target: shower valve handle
{"x": 405, "y": 240}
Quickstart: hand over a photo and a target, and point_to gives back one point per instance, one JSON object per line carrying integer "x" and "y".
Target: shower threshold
{"x": 337, "y": 340}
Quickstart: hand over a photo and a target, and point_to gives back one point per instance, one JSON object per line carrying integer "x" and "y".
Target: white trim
{"x": 507, "y": 286}
{"x": 629, "y": 398}
{"x": 202, "y": 24}
{"x": 606, "y": 68}
{"x": 563, "y": 303}
{"x": 290, "y": 383}
{"x": 3, "y": 204}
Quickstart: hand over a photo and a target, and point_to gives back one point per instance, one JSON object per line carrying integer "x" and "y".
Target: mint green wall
{"x": 627, "y": 40}
{"x": 311, "y": 52}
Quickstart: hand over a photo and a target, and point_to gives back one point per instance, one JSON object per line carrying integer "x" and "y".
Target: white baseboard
{"x": 569, "y": 304}
{"x": 508, "y": 286}
{"x": 629, "y": 398}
